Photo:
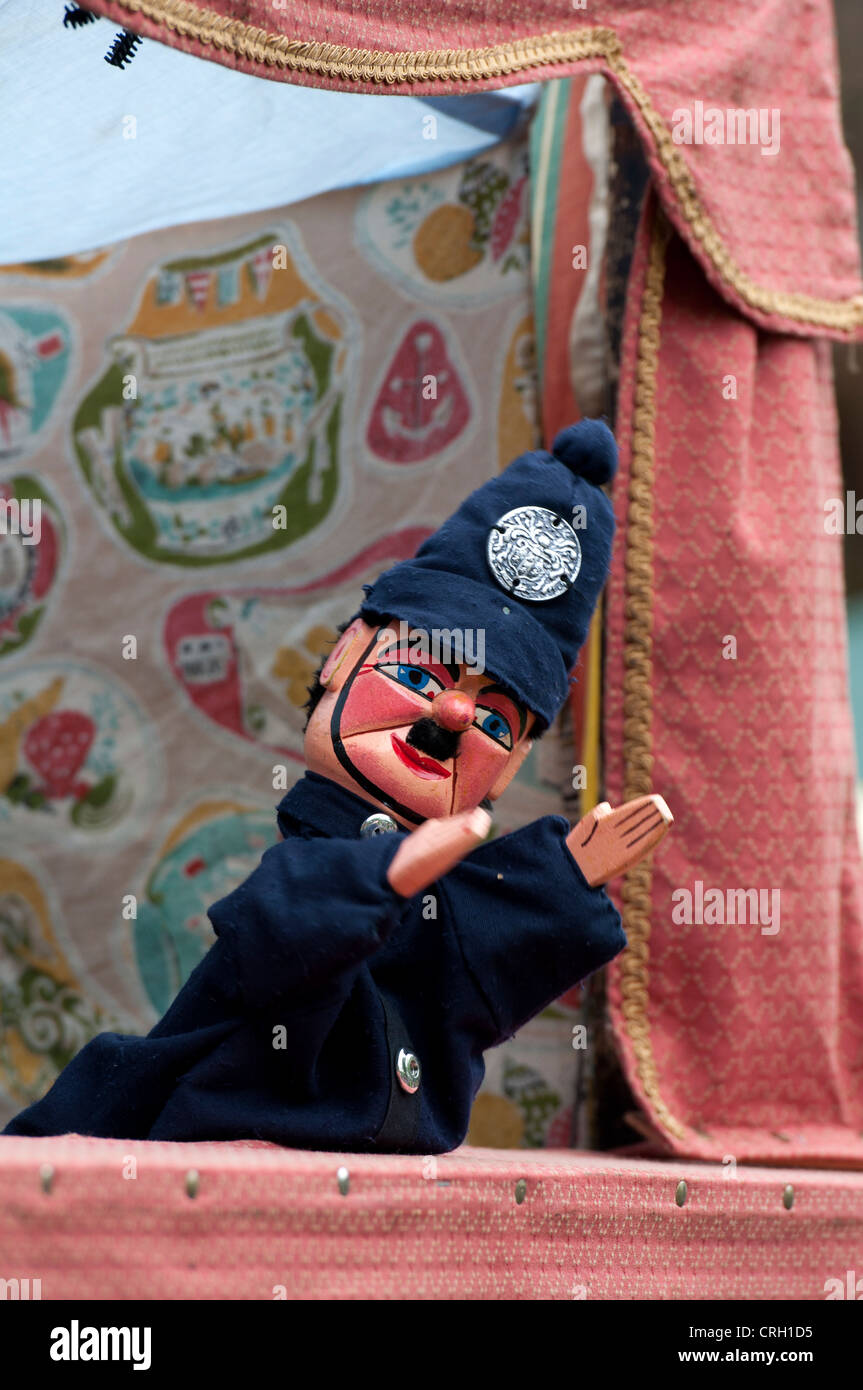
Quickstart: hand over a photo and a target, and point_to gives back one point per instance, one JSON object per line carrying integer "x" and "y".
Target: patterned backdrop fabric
{"x": 227, "y": 429}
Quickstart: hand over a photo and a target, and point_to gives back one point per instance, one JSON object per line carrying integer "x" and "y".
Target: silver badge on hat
{"x": 533, "y": 553}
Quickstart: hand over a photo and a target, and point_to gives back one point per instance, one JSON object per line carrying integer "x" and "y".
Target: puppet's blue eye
{"x": 414, "y": 677}
{"x": 493, "y": 723}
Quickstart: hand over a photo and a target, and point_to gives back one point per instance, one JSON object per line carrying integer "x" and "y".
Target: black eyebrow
{"x": 502, "y": 690}
{"x": 454, "y": 671}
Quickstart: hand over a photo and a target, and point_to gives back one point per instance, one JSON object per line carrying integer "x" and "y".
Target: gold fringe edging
{"x": 638, "y": 672}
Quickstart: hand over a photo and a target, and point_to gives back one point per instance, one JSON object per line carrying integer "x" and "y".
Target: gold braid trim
{"x": 373, "y": 66}
{"x": 192, "y": 21}
{"x": 638, "y": 672}
{"x": 841, "y": 314}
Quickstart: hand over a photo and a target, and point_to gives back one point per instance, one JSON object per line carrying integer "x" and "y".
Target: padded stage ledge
{"x": 100, "y": 1219}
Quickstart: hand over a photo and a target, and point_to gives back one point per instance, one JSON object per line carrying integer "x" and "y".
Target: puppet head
{"x": 460, "y": 656}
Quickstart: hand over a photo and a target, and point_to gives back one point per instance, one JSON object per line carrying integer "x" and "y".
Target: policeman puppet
{"x": 361, "y": 971}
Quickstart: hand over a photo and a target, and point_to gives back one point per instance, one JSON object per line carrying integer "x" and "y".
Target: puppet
{"x": 361, "y": 971}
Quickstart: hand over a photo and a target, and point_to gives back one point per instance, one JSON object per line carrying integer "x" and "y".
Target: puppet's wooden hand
{"x": 434, "y": 848}
{"x": 606, "y": 843}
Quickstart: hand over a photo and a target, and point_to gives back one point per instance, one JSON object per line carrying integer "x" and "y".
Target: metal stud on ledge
{"x": 46, "y": 1177}
{"x": 193, "y": 1182}
{"x": 788, "y": 1197}
{"x": 520, "y": 1190}
{"x": 681, "y": 1193}
{"x": 343, "y": 1178}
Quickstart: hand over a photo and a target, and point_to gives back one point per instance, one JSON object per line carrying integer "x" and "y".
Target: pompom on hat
{"x": 524, "y": 558}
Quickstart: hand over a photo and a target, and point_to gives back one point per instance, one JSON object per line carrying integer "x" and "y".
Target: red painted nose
{"x": 454, "y": 710}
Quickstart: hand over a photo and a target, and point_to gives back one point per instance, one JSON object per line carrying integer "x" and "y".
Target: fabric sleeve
{"x": 307, "y": 917}
{"x": 528, "y": 924}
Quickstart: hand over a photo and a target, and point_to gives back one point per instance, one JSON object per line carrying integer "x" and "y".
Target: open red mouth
{"x": 418, "y": 763}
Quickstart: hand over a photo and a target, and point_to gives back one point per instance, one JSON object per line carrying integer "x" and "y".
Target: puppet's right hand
{"x": 607, "y": 842}
{"x": 434, "y": 848}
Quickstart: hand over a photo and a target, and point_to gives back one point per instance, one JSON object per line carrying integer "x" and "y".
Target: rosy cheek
{"x": 376, "y": 702}
{"x": 478, "y": 766}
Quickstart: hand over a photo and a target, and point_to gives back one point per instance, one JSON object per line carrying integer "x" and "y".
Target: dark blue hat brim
{"x": 518, "y": 651}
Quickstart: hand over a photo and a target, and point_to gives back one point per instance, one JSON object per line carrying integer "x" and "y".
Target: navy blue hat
{"x": 525, "y": 558}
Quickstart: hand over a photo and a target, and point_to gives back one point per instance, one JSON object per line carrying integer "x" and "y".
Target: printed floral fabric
{"x": 227, "y": 429}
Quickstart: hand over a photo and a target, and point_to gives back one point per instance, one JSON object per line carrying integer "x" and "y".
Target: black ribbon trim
{"x": 398, "y": 1132}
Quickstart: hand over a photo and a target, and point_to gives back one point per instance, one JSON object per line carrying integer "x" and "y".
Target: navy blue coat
{"x": 307, "y": 951}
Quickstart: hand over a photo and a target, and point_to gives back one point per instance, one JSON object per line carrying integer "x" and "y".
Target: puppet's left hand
{"x": 436, "y": 847}
{"x": 606, "y": 843}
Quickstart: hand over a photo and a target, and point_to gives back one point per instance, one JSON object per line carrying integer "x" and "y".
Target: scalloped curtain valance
{"x": 772, "y": 221}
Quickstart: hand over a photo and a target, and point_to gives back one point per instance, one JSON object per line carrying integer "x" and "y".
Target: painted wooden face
{"x": 416, "y": 737}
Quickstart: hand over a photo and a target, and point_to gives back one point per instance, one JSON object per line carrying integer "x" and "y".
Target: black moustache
{"x": 428, "y": 737}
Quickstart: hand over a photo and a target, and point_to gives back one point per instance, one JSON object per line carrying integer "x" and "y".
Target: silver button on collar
{"x": 378, "y": 824}
{"x": 408, "y": 1071}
